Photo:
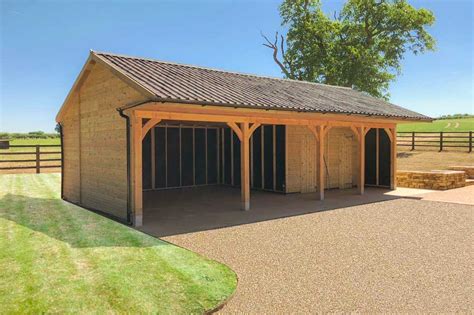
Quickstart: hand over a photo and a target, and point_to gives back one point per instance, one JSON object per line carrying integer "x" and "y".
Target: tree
{"x": 359, "y": 47}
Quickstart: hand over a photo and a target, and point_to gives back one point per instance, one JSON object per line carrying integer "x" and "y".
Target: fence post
{"x": 37, "y": 159}
{"x": 441, "y": 141}
{"x": 413, "y": 141}
{"x": 470, "y": 141}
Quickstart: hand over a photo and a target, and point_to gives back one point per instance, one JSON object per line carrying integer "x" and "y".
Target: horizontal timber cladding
{"x": 267, "y": 158}
{"x": 377, "y": 158}
{"x": 180, "y": 156}
{"x": 100, "y": 156}
{"x": 340, "y": 159}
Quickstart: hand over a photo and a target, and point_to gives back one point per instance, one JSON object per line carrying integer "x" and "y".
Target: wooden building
{"x": 133, "y": 124}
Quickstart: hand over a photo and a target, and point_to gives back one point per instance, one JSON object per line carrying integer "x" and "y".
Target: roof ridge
{"x": 218, "y": 70}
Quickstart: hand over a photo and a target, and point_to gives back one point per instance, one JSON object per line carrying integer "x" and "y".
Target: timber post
{"x": 245, "y": 166}
{"x": 393, "y": 165}
{"x": 137, "y": 199}
{"x": 321, "y": 174}
{"x": 361, "y": 180}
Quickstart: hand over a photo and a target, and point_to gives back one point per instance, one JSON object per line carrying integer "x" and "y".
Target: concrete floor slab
{"x": 179, "y": 211}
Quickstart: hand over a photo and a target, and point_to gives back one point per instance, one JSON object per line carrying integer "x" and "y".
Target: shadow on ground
{"x": 187, "y": 210}
{"x": 68, "y": 223}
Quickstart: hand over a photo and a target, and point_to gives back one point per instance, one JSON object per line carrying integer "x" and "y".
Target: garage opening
{"x": 377, "y": 158}
{"x": 178, "y": 155}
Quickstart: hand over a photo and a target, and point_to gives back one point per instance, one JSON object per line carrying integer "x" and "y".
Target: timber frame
{"x": 145, "y": 105}
{"x": 244, "y": 122}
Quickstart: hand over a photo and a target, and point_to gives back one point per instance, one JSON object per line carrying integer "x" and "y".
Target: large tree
{"x": 359, "y": 47}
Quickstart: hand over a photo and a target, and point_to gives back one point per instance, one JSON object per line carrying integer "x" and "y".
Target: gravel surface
{"x": 400, "y": 255}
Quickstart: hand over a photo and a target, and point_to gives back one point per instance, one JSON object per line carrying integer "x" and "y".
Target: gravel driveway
{"x": 400, "y": 255}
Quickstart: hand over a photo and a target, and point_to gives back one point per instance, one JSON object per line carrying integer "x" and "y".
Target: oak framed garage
{"x": 133, "y": 124}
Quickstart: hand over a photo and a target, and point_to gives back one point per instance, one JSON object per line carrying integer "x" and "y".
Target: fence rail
{"x": 32, "y": 163}
{"x": 439, "y": 140}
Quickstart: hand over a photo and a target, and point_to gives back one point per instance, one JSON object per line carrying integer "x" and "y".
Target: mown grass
{"x": 445, "y": 125}
{"x": 32, "y": 141}
{"x": 432, "y": 160}
{"x": 59, "y": 258}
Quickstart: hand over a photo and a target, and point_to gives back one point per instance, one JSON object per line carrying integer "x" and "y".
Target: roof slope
{"x": 173, "y": 82}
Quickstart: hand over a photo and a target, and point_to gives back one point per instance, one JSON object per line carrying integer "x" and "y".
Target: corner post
{"x": 393, "y": 165}
{"x": 361, "y": 181}
{"x": 245, "y": 165}
{"x": 137, "y": 180}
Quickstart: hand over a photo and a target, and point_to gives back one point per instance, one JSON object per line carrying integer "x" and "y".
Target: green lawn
{"x": 446, "y": 125}
{"x": 36, "y": 141}
{"x": 59, "y": 258}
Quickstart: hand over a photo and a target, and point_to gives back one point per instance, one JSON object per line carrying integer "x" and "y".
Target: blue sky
{"x": 45, "y": 43}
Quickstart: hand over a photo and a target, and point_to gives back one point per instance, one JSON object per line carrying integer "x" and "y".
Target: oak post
{"x": 137, "y": 195}
{"x": 245, "y": 166}
{"x": 320, "y": 160}
{"x": 361, "y": 179}
{"x": 393, "y": 169}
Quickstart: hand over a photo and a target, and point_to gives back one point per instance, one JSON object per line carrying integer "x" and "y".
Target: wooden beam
{"x": 388, "y": 131}
{"x": 256, "y": 118}
{"x": 245, "y": 166}
{"x": 252, "y": 112}
{"x": 253, "y": 128}
{"x": 149, "y": 124}
{"x": 361, "y": 179}
{"x": 356, "y": 132}
{"x": 314, "y": 131}
{"x": 367, "y": 129}
{"x": 236, "y": 129}
{"x": 137, "y": 187}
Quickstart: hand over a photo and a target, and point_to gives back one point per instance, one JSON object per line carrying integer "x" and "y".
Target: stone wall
{"x": 468, "y": 169}
{"x": 439, "y": 180}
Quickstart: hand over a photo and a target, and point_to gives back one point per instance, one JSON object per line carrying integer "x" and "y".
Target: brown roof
{"x": 173, "y": 82}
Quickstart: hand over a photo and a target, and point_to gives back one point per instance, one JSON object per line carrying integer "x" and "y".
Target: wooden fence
{"x": 436, "y": 140}
{"x": 16, "y": 158}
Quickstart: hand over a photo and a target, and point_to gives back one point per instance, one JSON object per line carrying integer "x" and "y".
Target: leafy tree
{"x": 359, "y": 47}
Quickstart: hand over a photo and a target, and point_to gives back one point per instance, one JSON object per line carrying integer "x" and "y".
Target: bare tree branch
{"x": 274, "y": 47}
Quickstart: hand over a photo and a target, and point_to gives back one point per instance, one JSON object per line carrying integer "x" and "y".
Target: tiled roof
{"x": 196, "y": 85}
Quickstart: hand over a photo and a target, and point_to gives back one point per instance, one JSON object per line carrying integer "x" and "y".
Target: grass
{"x": 49, "y": 141}
{"x": 446, "y": 125}
{"x": 432, "y": 160}
{"x": 36, "y": 141}
{"x": 59, "y": 258}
